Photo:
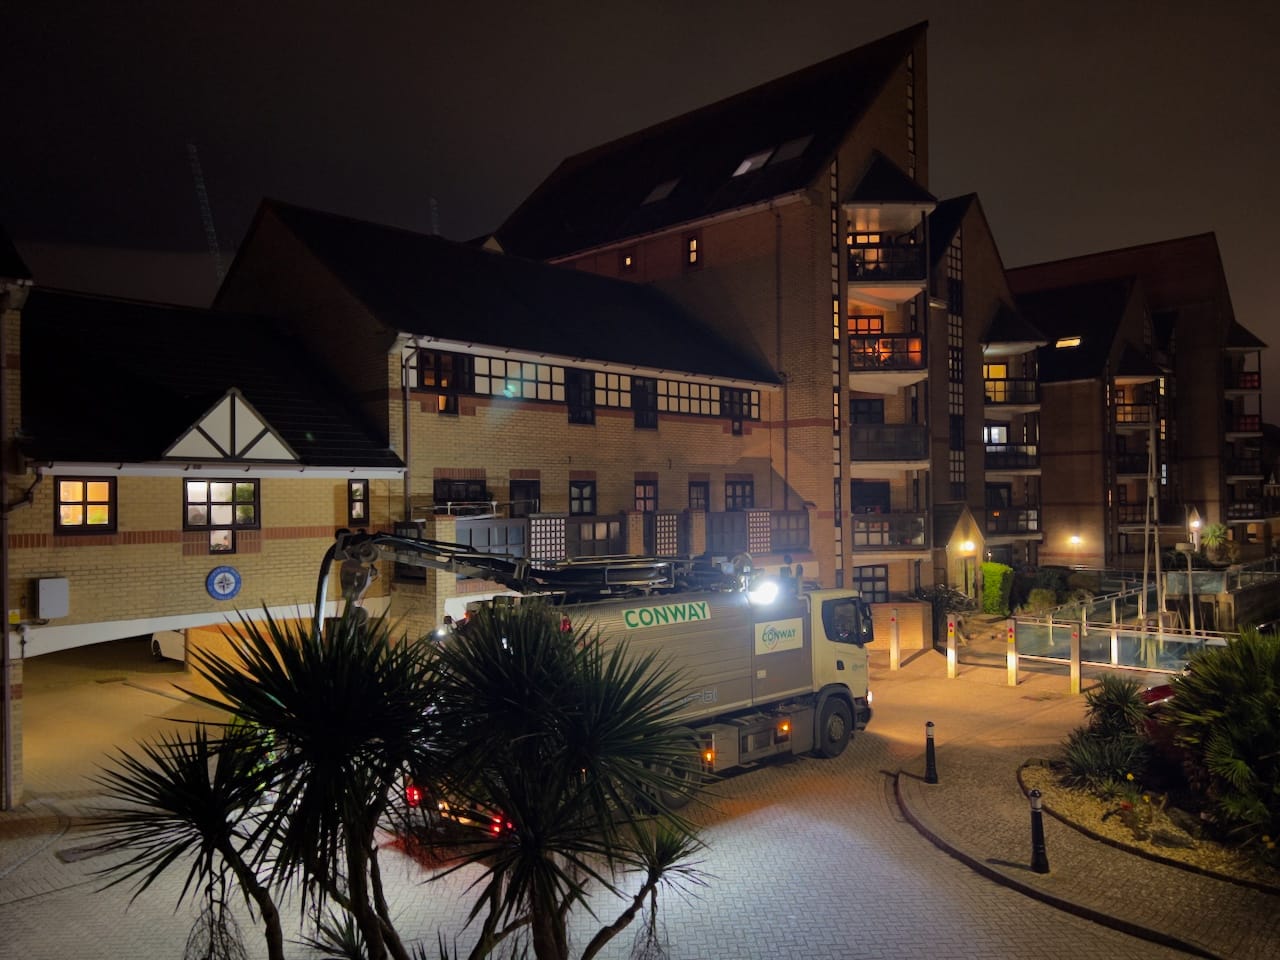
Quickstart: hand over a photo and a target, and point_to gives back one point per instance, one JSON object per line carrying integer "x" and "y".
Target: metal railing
{"x": 1009, "y": 390}
{"x": 1133, "y": 413}
{"x": 1007, "y": 520}
{"x": 1249, "y": 423}
{"x": 1243, "y": 380}
{"x": 886, "y": 262}
{"x": 875, "y": 531}
{"x": 1012, "y": 456}
{"x": 887, "y": 351}
{"x": 883, "y": 441}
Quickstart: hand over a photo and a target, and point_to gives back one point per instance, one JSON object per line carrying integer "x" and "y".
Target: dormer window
{"x": 1065, "y": 342}
{"x": 754, "y": 162}
{"x": 660, "y": 192}
{"x": 791, "y": 149}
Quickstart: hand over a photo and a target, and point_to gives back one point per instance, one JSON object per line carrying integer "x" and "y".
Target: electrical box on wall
{"x": 53, "y": 598}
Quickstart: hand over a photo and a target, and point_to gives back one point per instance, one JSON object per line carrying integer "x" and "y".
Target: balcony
{"x": 1012, "y": 521}
{"x": 887, "y": 273}
{"x": 1133, "y": 415}
{"x": 1245, "y": 468}
{"x": 1249, "y": 423}
{"x": 1007, "y": 457}
{"x": 888, "y": 531}
{"x": 1010, "y": 392}
{"x": 902, "y": 444}
{"x": 1243, "y": 381}
{"x": 1246, "y": 510}
{"x": 885, "y": 362}
{"x": 1131, "y": 464}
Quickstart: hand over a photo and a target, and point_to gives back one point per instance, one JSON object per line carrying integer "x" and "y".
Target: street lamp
{"x": 1189, "y": 549}
{"x": 1075, "y": 541}
{"x": 1193, "y": 527}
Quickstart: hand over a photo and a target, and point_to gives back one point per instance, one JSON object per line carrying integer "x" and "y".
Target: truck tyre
{"x": 835, "y": 727}
{"x": 685, "y": 776}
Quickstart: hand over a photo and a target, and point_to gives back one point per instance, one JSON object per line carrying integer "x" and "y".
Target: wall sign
{"x": 223, "y": 583}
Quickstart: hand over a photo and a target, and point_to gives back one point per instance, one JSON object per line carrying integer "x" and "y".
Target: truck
{"x": 770, "y": 671}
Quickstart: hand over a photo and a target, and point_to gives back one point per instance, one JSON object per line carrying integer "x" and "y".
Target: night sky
{"x": 1082, "y": 126}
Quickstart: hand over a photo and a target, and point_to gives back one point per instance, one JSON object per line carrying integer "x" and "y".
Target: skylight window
{"x": 754, "y": 162}
{"x": 1064, "y": 342}
{"x": 791, "y": 149}
{"x": 661, "y": 191}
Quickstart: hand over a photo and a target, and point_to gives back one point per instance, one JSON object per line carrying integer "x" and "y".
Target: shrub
{"x": 1041, "y": 601}
{"x": 1084, "y": 582}
{"x": 1051, "y": 578}
{"x": 997, "y": 585}
{"x": 1115, "y": 706}
{"x": 1225, "y": 712}
{"x": 1100, "y": 762}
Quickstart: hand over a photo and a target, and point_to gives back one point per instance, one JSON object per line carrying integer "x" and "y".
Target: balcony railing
{"x": 1012, "y": 456}
{"x": 874, "y": 351}
{"x": 1245, "y": 510}
{"x": 1250, "y": 467}
{"x": 885, "y": 441}
{"x": 886, "y": 262}
{"x": 1010, "y": 391}
{"x": 1130, "y": 463}
{"x": 1007, "y": 520}
{"x": 878, "y": 531}
{"x": 1244, "y": 380}
{"x": 1250, "y": 423}
{"x": 1136, "y": 413}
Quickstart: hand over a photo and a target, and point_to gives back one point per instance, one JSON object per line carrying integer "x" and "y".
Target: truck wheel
{"x": 835, "y": 726}
{"x": 683, "y": 776}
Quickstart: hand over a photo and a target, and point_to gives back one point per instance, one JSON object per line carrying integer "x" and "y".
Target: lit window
{"x": 753, "y": 162}
{"x": 646, "y": 500}
{"x": 582, "y": 498}
{"x": 692, "y": 251}
{"x": 699, "y": 495}
{"x": 358, "y": 503}
{"x": 1067, "y": 342}
{"x": 221, "y": 507}
{"x": 661, "y": 191}
{"x": 627, "y": 260}
{"x": 85, "y": 505}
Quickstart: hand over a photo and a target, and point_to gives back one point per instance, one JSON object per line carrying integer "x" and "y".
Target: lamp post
{"x": 1193, "y": 527}
{"x": 1189, "y": 549}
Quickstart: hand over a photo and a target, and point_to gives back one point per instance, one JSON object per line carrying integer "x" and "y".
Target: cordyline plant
{"x": 565, "y": 737}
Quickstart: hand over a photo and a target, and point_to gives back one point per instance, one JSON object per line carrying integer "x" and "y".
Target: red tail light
{"x": 413, "y": 795}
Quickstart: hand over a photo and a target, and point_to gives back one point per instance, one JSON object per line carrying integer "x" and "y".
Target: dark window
{"x": 221, "y": 507}
{"x": 872, "y": 582}
{"x": 736, "y": 403}
{"x": 739, "y": 494}
{"x": 644, "y": 402}
{"x": 85, "y": 505}
{"x": 869, "y": 496}
{"x": 581, "y": 395}
{"x": 955, "y": 426}
{"x": 461, "y": 497}
{"x": 835, "y": 494}
{"x": 582, "y": 498}
{"x": 646, "y": 496}
{"x": 699, "y": 495}
{"x": 358, "y": 503}
{"x": 866, "y": 411}
{"x": 525, "y": 497}
{"x": 449, "y": 375}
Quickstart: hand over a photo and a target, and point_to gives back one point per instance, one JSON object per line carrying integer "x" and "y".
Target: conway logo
{"x": 771, "y": 636}
{"x": 638, "y": 617}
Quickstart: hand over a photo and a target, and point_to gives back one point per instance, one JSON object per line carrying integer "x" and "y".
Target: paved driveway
{"x": 805, "y": 859}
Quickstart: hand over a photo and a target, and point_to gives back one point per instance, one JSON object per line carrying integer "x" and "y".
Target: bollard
{"x": 895, "y": 642}
{"x": 1011, "y": 659}
{"x": 951, "y": 649}
{"x": 930, "y": 759}
{"x": 1039, "y": 859}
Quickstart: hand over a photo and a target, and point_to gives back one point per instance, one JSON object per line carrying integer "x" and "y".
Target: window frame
{"x": 357, "y": 496}
{"x": 644, "y": 402}
{"x": 646, "y": 496}
{"x": 84, "y": 502}
{"x": 692, "y": 247}
{"x": 582, "y": 498}
{"x": 580, "y": 395}
{"x": 703, "y": 487}
{"x": 739, "y": 495}
{"x": 529, "y": 500}
{"x": 451, "y": 375}
{"x": 208, "y": 526}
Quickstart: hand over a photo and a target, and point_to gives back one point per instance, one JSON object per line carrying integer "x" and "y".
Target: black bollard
{"x": 930, "y": 761}
{"x": 1039, "y": 859}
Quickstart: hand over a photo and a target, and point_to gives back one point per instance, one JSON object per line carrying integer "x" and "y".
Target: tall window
{"x": 692, "y": 251}
{"x": 461, "y": 498}
{"x": 447, "y": 374}
{"x": 646, "y": 496}
{"x": 580, "y": 393}
{"x": 866, "y": 411}
{"x": 582, "y": 498}
{"x": 221, "y": 507}
{"x": 358, "y": 503}
{"x": 739, "y": 494}
{"x": 699, "y": 495}
{"x": 644, "y": 402}
{"x": 85, "y": 505}
{"x": 525, "y": 497}
{"x": 738, "y": 404}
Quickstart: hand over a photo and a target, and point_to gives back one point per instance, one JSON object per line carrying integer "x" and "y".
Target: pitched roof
{"x": 1090, "y": 311}
{"x": 11, "y": 265}
{"x": 119, "y": 381}
{"x": 429, "y": 286}
{"x": 944, "y": 222}
{"x": 885, "y": 182}
{"x": 1239, "y": 338}
{"x": 786, "y": 132}
{"x": 1009, "y": 326}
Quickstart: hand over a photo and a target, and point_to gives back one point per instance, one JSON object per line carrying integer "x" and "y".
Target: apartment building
{"x": 1175, "y": 414}
{"x": 795, "y": 219}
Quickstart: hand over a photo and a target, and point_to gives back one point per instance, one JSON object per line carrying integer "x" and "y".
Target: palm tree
{"x": 328, "y": 723}
{"x": 569, "y": 742}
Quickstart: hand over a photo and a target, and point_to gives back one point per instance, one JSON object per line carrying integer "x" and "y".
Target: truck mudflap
{"x": 862, "y": 711}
